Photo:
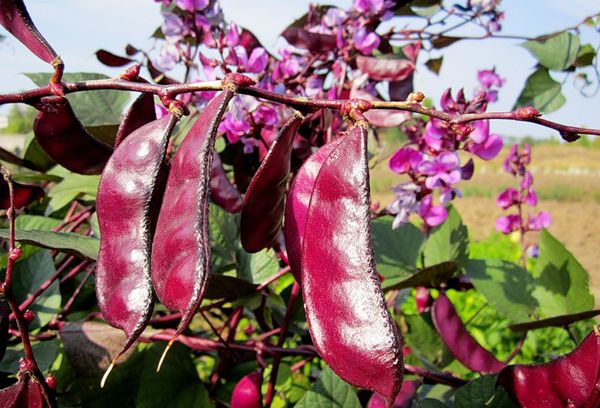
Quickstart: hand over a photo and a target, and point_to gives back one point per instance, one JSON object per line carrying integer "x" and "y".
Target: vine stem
{"x": 297, "y": 102}
{"x": 284, "y": 328}
{"x": 6, "y": 287}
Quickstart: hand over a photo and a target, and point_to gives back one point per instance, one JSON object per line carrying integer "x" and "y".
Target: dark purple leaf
{"x": 246, "y": 393}
{"x": 181, "y": 258}
{"x": 399, "y": 90}
{"x": 63, "y": 137}
{"x": 459, "y": 341}
{"x": 24, "y": 194}
{"x": 131, "y": 50}
{"x": 16, "y": 20}
{"x": 112, "y": 60}
{"x": 264, "y": 202}
{"x": 381, "y": 69}
{"x": 249, "y": 41}
{"x": 298, "y": 200}
{"x": 314, "y": 42}
{"x": 348, "y": 318}
{"x": 403, "y": 400}
{"x": 222, "y": 192}
{"x": 140, "y": 113}
{"x": 568, "y": 381}
{"x": 91, "y": 346}
{"x": 443, "y": 41}
{"x": 557, "y": 321}
{"x": 124, "y": 205}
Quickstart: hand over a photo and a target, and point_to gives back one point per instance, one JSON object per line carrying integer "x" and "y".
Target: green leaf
{"x": 73, "y": 186}
{"x": 330, "y": 391}
{"x": 396, "y": 251}
{"x": 423, "y": 339}
{"x": 556, "y": 53}
{"x": 34, "y": 222}
{"x": 505, "y": 285}
{"x": 448, "y": 241}
{"x": 542, "y": 92}
{"x": 35, "y": 154}
{"x": 28, "y": 275}
{"x": 91, "y": 107}
{"x": 476, "y": 393}
{"x": 562, "y": 285}
{"x": 257, "y": 267}
{"x": 70, "y": 243}
{"x": 45, "y": 353}
{"x": 224, "y": 239}
{"x": 104, "y": 133}
{"x": 176, "y": 385}
{"x": 585, "y": 56}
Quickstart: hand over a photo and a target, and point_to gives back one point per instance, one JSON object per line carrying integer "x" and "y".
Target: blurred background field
{"x": 567, "y": 181}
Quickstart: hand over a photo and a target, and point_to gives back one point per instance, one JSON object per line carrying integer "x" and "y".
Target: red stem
{"x": 296, "y": 102}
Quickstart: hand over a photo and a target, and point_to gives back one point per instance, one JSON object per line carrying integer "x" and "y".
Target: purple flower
{"x": 542, "y": 220}
{"x": 489, "y": 149}
{"x": 233, "y": 36}
{"x": 442, "y": 171}
{"x": 405, "y": 160}
{"x": 314, "y": 85}
{"x": 233, "y": 127}
{"x": 192, "y": 5}
{"x": 365, "y": 42}
{"x": 334, "y": 17}
{"x": 489, "y": 79}
{"x": 527, "y": 180}
{"x": 404, "y": 204}
{"x": 249, "y": 144}
{"x": 265, "y": 115}
{"x": 508, "y": 223}
{"x": 172, "y": 25}
{"x": 433, "y": 215}
{"x": 466, "y": 171}
{"x": 435, "y": 131}
{"x": 481, "y": 131}
{"x": 508, "y": 198}
{"x": 533, "y": 251}
{"x": 369, "y": 6}
{"x": 168, "y": 56}
{"x": 257, "y": 62}
{"x": 531, "y": 198}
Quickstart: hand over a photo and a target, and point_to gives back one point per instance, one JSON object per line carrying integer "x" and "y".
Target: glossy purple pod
{"x": 63, "y": 137}
{"x": 264, "y": 202}
{"x": 246, "y": 393}
{"x": 222, "y": 192}
{"x": 24, "y": 194}
{"x": 296, "y": 207}
{"x": 568, "y": 381}
{"x": 16, "y": 20}
{"x": 347, "y": 315}
{"x": 125, "y": 194}
{"x": 459, "y": 341}
{"x": 181, "y": 257}
{"x": 140, "y": 112}
{"x": 25, "y": 393}
{"x": 403, "y": 399}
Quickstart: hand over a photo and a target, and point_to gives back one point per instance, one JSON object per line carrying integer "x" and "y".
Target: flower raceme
{"x": 430, "y": 159}
{"x": 516, "y": 164}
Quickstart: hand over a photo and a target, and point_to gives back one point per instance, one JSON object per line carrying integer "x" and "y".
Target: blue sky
{"x": 77, "y": 28}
